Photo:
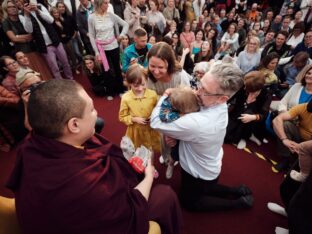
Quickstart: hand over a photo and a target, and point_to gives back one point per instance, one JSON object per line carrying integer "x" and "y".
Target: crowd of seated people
{"x": 271, "y": 44}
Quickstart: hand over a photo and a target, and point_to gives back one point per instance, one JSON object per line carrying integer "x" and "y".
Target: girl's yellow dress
{"x": 133, "y": 106}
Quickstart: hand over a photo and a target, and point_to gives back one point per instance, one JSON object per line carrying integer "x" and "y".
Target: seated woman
{"x": 250, "y": 57}
{"x": 229, "y": 42}
{"x": 199, "y": 71}
{"x": 196, "y": 45}
{"x": 267, "y": 67}
{"x": 248, "y": 109}
{"x": 300, "y": 92}
{"x": 10, "y": 67}
{"x": 205, "y": 53}
{"x": 212, "y": 38}
{"x": 101, "y": 85}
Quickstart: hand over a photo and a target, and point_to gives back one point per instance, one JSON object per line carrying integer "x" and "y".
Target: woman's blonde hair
{"x": 4, "y": 7}
{"x": 300, "y": 78}
{"x": 256, "y": 40}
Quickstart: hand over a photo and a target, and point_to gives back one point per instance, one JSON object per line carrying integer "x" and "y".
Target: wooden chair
{"x": 9, "y": 223}
{"x": 154, "y": 228}
{"x": 8, "y": 219}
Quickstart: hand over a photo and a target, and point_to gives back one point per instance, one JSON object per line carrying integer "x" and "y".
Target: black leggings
{"x": 113, "y": 58}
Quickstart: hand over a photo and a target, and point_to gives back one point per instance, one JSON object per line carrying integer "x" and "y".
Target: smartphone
{"x": 33, "y": 2}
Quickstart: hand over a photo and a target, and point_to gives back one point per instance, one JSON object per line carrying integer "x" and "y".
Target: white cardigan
{"x": 291, "y": 98}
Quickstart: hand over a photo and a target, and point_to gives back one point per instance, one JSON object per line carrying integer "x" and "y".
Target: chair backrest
{"x": 154, "y": 228}
{"x": 8, "y": 219}
{"x": 9, "y": 223}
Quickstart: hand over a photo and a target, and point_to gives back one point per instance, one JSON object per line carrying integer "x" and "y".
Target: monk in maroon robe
{"x": 68, "y": 181}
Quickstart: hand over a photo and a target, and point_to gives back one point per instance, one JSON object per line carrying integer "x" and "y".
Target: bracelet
{"x": 282, "y": 139}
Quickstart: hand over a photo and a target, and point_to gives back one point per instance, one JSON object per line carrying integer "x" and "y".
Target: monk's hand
{"x": 149, "y": 169}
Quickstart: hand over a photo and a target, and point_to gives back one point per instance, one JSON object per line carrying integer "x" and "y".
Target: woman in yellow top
{"x": 136, "y": 107}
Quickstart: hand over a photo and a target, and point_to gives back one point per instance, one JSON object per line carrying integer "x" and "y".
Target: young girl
{"x": 101, "y": 85}
{"x": 136, "y": 107}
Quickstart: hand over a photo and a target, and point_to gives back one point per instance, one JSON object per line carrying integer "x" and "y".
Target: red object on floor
{"x": 239, "y": 167}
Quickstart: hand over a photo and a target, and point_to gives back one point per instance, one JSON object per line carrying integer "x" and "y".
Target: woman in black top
{"x": 248, "y": 109}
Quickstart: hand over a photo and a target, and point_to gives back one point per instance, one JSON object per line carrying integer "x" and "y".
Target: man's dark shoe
{"x": 243, "y": 190}
{"x": 281, "y": 166}
{"x": 246, "y": 201}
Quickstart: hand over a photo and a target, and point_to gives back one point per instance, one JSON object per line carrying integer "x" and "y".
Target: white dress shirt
{"x": 201, "y": 136}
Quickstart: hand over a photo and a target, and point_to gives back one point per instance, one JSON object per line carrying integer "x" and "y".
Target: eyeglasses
{"x": 12, "y": 63}
{"x": 207, "y": 94}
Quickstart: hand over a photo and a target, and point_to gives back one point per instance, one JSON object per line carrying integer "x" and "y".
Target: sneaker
{"x": 243, "y": 190}
{"x": 298, "y": 176}
{"x": 255, "y": 139}
{"x": 169, "y": 171}
{"x": 109, "y": 98}
{"x": 161, "y": 159}
{"x": 241, "y": 144}
{"x": 280, "y": 230}
{"x": 246, "y": 201}
{"x": 276, "y": 208}
{"x": 265, "y": 141}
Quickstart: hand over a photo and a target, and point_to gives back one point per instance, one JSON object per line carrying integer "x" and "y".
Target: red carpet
{"x": 238, "y": 167}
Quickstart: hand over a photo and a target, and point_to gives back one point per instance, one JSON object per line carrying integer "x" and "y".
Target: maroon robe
{"x": 63, "y": 189}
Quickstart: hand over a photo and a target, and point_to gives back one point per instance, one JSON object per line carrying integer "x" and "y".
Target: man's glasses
{"x": 207, "y": 94}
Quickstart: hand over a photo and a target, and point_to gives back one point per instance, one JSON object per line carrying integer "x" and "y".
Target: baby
{"x": 180, "y": 102}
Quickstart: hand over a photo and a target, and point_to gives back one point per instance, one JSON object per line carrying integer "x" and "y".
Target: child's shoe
{"x": 241, "y": 144}
{"x": 255, "y": 139}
